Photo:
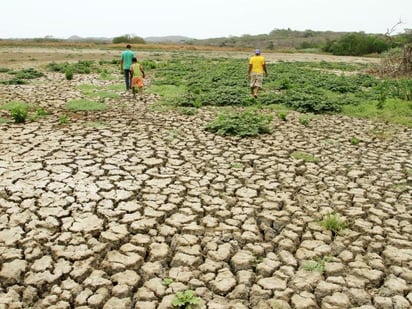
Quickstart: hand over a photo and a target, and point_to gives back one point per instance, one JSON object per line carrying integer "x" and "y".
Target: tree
{"x": 128, "y": 38}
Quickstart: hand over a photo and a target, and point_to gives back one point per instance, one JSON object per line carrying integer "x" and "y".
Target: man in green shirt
{"x": 125, "y": 63}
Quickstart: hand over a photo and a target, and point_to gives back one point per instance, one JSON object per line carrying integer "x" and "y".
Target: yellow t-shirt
{"x": 257, "y": 63}
{"x": 135, "y": 68}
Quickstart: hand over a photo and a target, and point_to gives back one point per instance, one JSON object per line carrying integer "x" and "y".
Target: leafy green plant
{"x": 21, "y": 77}
{"x": 19, "y": 114}
{"x": 68, "y": 73}
{"x": 334, "y": 223}
{"x": 242, "y": 124}
{"x": 307, "y": 157}
{"x": 81, "y": 67}
{"x": 304, "y": 120}
{"x": 185, "y": 299}
{"x": 354, "y": 140}
{"x": 383, "y": 92}
{"x": 167, "y": 281}
{"x": 282, "y": 116}
{"x": 41, "y": 112}
{"x": 64, "y": 119}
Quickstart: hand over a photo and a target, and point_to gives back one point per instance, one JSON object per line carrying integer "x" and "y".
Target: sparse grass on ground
{"x": 85, "y": 105}
{"x": 307, "y": 157}
{"x": 393, "y": 111}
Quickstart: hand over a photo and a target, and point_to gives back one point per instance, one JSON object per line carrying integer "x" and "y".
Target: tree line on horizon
{"x": 336, "y": 43}
{"x": 288, "y": 40}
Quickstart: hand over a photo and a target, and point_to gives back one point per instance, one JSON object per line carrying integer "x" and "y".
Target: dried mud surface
{"x": 97, "y": 216}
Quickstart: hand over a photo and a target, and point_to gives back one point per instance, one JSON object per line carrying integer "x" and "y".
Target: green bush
{"x": 19, "y": 114}
{"x": 127, "y": 38}
{"x": 80, "y": 67}
{"x": 357, "y": 44}
{"x": 68, "y": 72}
{"x": 20, "y": 77}
{"x": 242, "y": 124}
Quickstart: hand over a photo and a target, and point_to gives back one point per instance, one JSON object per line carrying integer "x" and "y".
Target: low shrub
{"x": 242, "y": 124}
{"x": 19, "y": 114}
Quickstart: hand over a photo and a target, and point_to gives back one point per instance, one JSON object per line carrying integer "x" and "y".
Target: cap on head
{"x": 257, "y": 51}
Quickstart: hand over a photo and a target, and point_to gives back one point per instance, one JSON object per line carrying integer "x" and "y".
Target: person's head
{"x": 128, "y": 46}
{"x": 134, "y": 60}
{"x": 257, "y": 51}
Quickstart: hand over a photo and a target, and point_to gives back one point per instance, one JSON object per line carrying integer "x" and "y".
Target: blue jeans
{"x": 128, "y": 79}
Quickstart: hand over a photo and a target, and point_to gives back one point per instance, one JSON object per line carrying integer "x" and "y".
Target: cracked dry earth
{"x": 99, "y": 216}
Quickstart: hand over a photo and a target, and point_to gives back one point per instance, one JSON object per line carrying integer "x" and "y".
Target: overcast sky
{"x": 196, "y": 18}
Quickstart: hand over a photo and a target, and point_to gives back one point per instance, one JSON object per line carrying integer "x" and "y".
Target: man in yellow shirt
{"x": 257, "y": 67}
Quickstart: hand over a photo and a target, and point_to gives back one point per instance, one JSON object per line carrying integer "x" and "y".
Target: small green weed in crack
{"x": 334, "y": 223}
{"x": 41, "y": 112}
{"x": 185, "y": 300}
{"x": 167, "y": 281}
{"x": 256, "y": 261}
{"x": 236, "y": 165}
{"x": 318, "y": 265}
{"x": 354, "y": 140}
{"x": 304, "y": 120}
{"x": 64, "y": 119}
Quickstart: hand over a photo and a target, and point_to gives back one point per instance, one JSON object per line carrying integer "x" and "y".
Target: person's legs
{"x": 134, "y": 92}
{"x": 258, "y": 84}
{"x": 127, "y": 78}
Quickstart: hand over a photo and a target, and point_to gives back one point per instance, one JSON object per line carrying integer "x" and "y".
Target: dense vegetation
{"x": 337, "y": 43}
{"x": 306, "y": 87}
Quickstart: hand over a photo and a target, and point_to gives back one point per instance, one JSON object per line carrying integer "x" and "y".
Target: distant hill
{"x": 76, "y": 38}
{"x": 276, "y": 39}
{"x": 168, "y": 39}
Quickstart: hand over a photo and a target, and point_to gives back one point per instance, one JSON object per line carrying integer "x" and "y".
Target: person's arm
{"x": 121, "y": 64}
{"x": 141, "y": 70}
{"x": 249, "y": 70}
{"x": 265, "y": 69}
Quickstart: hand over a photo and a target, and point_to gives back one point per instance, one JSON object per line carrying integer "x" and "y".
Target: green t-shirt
{"x": 127, "y": 57}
